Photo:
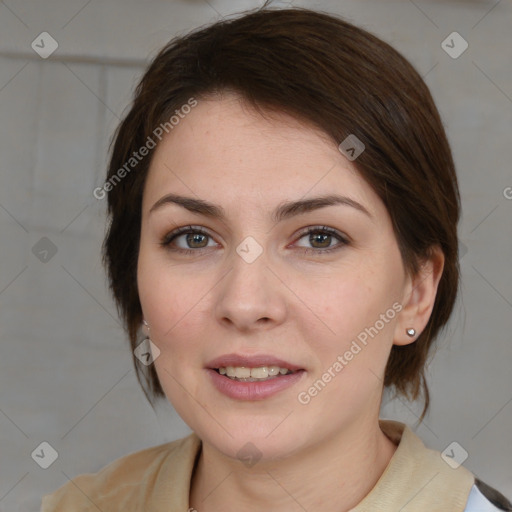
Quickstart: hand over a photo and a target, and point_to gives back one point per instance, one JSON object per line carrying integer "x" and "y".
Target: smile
{"x": 246, "y": 374}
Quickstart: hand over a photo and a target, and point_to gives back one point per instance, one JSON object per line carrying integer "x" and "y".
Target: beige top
{"x": 157, "y": 479}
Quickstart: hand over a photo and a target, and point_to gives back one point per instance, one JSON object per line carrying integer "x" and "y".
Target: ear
{"x": 419, "y": 297}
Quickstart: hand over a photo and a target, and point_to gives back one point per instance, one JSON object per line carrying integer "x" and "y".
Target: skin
{"x": 303, "y": 308}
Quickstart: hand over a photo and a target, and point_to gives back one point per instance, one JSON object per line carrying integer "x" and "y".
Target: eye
{"x": 323, "y": 236}
{"x": 195, "y": 238}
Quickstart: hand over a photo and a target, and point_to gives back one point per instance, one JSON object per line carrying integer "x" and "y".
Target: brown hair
{"x": 323, "y": 70}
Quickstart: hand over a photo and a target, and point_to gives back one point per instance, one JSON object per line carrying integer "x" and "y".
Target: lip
{"x": 253, "y": 390}
{"x": 252, "y": 361}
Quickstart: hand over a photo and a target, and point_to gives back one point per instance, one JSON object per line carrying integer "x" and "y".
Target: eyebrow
{"x": 283, "y": 211}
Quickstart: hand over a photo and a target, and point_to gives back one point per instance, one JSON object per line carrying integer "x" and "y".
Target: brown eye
{"x": 321, "y": 239}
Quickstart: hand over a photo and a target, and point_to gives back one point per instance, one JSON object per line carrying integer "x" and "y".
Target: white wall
{"x": 66, "y": 374}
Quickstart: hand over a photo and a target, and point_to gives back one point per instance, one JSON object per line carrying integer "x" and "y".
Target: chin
{"x": 265, "y": 438}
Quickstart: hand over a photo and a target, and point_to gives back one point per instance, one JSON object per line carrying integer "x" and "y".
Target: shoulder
{"x": 119, "y": 483}
{"x": 484, "y": 498}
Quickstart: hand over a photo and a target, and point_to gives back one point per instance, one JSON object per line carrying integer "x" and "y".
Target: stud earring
{"x": 145, "y": 328}
{"x": 410, "y": 332}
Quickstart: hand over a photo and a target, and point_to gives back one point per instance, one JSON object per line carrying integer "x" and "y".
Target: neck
{"x": 334, "y": 475}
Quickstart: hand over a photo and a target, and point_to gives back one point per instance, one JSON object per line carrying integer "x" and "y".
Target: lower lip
{"x": 253, "y": 390}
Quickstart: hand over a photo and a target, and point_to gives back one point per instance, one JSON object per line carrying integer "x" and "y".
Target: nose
{"x": 250, "y": 296}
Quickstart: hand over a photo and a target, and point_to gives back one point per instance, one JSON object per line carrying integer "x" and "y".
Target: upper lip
{"x": 252, "y": 361}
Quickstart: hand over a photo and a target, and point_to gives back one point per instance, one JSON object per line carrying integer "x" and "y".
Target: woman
{"x": 284, "y": 212}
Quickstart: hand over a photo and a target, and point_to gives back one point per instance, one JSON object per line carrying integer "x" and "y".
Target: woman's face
{"x": 256, "y": 285}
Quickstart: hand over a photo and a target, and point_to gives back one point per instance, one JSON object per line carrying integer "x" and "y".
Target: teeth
{"x": 261, "y": 373}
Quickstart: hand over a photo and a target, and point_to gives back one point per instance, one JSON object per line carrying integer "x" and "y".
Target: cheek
{"x": 352, "y": 307}
{"x": 174, "y": 305}
{"x": 337, "y": 304}
{"x": 351, "y": 361}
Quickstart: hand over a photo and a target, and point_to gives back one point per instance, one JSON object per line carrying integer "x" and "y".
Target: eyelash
{"x": 170, "y": 237}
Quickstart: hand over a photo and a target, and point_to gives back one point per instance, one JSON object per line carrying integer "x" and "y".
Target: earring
{"x": 145, "y": 329}
{"x": 410, "y": 332}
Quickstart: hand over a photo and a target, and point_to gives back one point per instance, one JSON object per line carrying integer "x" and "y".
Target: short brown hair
{"x": 326, "y": 71}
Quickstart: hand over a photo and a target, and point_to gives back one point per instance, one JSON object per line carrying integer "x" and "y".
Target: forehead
{"x": 224, "y": 151}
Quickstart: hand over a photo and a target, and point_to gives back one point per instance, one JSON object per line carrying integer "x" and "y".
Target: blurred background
{"x": 67, "y": 73}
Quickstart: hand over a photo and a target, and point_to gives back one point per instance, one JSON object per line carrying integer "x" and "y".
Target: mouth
{"x": 253, "y": 377}
{"x": 257, "y": 374}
